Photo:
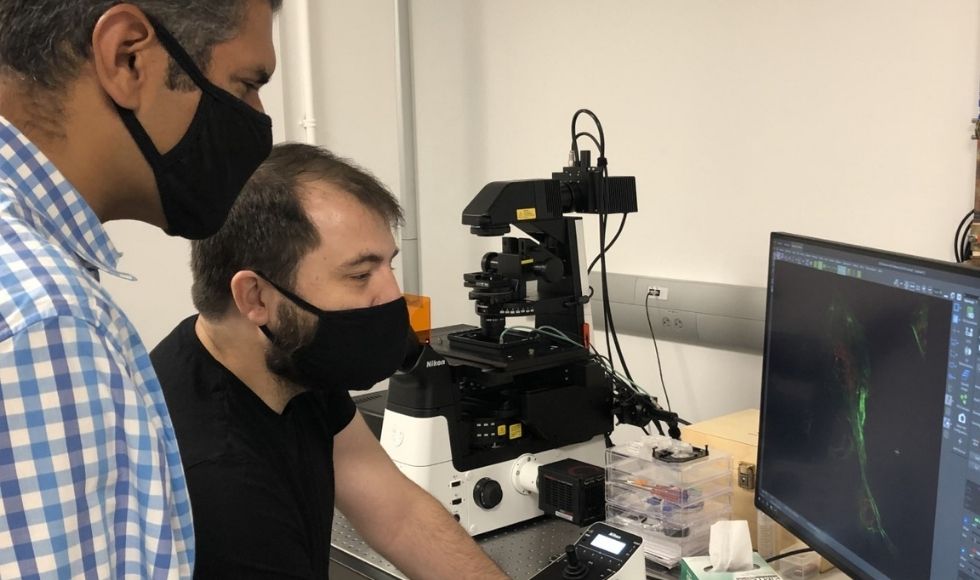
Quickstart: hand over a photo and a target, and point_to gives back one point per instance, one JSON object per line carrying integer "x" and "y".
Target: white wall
{"x": 843, "y": 119}
{"x": 840, "y": 119}
{"x": 354, "y": 81}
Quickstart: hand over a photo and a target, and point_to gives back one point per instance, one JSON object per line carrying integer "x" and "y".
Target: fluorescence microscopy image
{"x": 856, "y": 375}
{"x": 852, "y": 370}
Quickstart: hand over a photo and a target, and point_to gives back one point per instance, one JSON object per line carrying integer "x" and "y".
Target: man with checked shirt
{"x": 146, "y": 110}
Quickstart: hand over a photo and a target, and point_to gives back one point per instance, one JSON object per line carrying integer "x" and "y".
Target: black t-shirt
{"x": 261, "y": 484}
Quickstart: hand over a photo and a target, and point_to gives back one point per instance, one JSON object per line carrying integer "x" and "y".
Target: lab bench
{"x": 520, "y": 550}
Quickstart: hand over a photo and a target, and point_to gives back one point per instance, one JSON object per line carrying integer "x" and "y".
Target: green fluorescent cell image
{"x": 920, "y": 324}
{"x": 852, "y": 369}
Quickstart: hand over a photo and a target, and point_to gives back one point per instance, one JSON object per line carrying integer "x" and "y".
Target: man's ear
{"x": 252, "y": 296}
{"x": 124, "y": 51}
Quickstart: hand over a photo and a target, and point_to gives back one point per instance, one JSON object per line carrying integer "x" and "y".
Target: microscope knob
{"x": 487, "y": 493}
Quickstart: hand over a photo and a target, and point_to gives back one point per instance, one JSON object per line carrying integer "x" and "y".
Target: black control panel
{"x": 601, "y": 553}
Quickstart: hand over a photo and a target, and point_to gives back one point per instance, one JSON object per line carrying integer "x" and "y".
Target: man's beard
{"x": 290, "y": 335}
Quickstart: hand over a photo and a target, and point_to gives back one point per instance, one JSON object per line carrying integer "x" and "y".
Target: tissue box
{"x": 693, "y": 568}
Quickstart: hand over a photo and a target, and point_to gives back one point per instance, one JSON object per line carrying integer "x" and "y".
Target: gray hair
{"x": 44, "y": 42}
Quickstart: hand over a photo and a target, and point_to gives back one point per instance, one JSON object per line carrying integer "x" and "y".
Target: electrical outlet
{"x": 676, "y": 324}
{"x": 658, "y": 292}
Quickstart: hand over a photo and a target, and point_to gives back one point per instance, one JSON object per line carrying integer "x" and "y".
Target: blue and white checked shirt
{"x": 90, "y": 477}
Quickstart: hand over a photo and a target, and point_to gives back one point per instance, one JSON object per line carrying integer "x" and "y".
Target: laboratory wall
{"x": 842, "y": 119}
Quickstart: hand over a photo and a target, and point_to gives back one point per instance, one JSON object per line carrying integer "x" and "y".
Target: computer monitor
{"x": 869, "y": 440}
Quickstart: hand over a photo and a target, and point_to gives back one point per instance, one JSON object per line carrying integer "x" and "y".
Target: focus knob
{"x": 487, "y": 493}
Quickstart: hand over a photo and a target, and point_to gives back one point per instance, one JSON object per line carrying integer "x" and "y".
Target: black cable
{"x": 602, "y": 136}
{"x": 958, "y": 246}
{"x": 603, "y": 211}
{"x": 788, "y": 554}
{"x": 603, "y": 218}
{"x": 960, "y": 239}
{"x": 601, "y": 145}
{"x": 636, "y": 390}
{"x": 611, "y": 242}
{"x": 590, "y": 136}
{"x": 611, "y": 327}
{"x": 660, "y": 368}
{"x": 967, "y": 252}
{"x": 607, "y": 304}
{"x": 606, "y": 310}
{"x": 605, "y": 284}
{"x": 608, "y": 322}
{"x": 633, "y": 389}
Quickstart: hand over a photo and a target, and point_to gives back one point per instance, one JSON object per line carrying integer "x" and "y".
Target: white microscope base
{"x": 419, "y": 446}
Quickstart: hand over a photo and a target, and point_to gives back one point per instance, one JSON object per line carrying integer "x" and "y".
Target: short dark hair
{"x": 45, "y": 41}
{"x": 268, "y": 229}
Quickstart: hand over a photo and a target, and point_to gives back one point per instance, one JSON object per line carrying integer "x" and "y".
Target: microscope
{"x": 500, "y": 424}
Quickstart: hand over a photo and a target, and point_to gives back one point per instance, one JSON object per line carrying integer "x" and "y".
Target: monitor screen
{"x": 869, "y": 441}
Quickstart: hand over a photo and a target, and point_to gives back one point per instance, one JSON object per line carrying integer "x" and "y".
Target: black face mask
{"x": 200, "y": 178}
{"x": 351, "y": 349}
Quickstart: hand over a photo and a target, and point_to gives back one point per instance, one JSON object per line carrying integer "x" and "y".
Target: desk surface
{"x": 520, "y": 550}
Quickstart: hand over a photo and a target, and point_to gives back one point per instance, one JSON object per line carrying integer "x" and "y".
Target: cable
{"x": 957, "y": 239}
{"x": 960, "y": 239}
{"x": 610, "y": 324}
{"x": 788, "y": 554}
{"x": 602, "y": 136}
{"x": 553, "y": 332}
{"x": 602, "y": 209}
{"x": 603, "y": 282}
{"x": 633, "y": 387}
{"x": 660, "y": 368}
{"x": 611, "y": 242}
{"x": 590, "y": 136}
{"x": 607, "y": 304}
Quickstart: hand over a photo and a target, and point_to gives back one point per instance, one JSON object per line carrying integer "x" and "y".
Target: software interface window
{"x": 870, "y": 446}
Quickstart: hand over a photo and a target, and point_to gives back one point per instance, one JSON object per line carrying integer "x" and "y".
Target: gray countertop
{"x": 520, "y": 550}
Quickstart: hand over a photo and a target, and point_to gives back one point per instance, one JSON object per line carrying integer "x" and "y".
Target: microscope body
{"x": 483, "y": 406}
{"x": 462, "y": 429}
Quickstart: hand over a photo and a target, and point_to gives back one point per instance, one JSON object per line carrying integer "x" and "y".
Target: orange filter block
{"x": 419, "y": 312}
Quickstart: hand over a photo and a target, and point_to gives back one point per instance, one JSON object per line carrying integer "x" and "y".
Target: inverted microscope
{"x": 505, "y": 424}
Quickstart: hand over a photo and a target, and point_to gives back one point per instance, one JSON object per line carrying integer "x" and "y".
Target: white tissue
{"x": 730, "y": 546}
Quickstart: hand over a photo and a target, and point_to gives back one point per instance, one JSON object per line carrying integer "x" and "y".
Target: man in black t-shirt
{"x": 298, "y": 303}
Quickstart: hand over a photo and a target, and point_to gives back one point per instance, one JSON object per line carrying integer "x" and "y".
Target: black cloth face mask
{"x": 351, "y": 349}
{"x": 200, "y": 178}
